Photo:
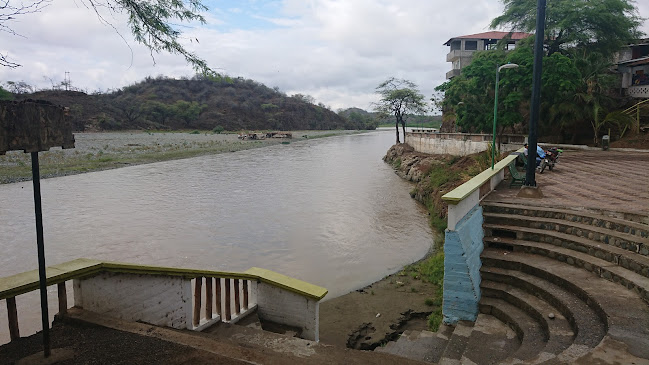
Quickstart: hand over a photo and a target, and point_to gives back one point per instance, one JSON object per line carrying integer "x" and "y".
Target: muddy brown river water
{"x": 327, "y": 211}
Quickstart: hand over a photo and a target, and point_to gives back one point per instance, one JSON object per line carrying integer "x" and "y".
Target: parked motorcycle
{"x": 550, "y": 159}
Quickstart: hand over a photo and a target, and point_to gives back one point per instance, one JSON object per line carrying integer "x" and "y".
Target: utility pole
{"x": 67, "y": 80}
{"x": 529, "y": 188}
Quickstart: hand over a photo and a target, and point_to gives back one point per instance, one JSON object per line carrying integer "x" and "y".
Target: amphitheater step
{"x": 529, "y": 331}
{"x": 555, "y": 326}
{"x": 424, "y": 346}
{"x": 630, "y": 223}
{"x": 567, "y": 229}
{"x": 616, "y": 255}
{"x": 625, "y": 313}
{"x": 616, "y": 270}
{"x": 585, "y": 322}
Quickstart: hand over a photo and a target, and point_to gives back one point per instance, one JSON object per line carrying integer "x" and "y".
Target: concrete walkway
{"x": 90, "y": 338}
{"x": 615, "y": 181}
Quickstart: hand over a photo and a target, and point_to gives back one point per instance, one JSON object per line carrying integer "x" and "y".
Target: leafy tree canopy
{"x": 399, "y": 98}
{"x": 602, "y": 25}
{"x": 471, "y": 95}
{"x": 151, "y": 22}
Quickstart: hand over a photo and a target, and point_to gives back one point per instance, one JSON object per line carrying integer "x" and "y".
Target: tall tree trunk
{"x": 397, "y": 127}
{"x": 403, "y": 126}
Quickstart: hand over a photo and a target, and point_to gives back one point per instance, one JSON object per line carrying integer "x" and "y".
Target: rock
{"x": 378, "y": 315}
{"x": 551, "y": 315}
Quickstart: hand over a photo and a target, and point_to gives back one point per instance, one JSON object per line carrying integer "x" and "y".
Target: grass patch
{"x": 397, "y": 163}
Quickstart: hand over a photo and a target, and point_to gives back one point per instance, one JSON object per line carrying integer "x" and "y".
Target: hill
{"x": 197, "y": 103}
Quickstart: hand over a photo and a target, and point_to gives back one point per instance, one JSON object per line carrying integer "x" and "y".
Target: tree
{"x": 603, "y": 25}
{"x": 471, "y": 95}
{"x": 151, "y": 22}
{"x": 19, "y": 87}
{"x": 399, "y": 98}
{"x": 5, "y": 95}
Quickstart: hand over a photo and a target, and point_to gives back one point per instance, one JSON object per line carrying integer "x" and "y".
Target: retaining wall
{"x": 459, "y": 144}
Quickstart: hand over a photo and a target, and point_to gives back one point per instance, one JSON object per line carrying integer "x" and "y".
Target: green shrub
{"x": 195, "y": 132}
{"x": 218, "y": 129}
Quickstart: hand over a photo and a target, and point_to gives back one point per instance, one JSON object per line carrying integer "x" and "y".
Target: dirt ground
{"x": 639, "y": 141}
{"x": 99, "y": 345}
{"x": 369, "y": 317}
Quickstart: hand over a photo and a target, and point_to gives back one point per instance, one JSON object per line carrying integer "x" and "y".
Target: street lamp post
{"x": 493, "y": 145}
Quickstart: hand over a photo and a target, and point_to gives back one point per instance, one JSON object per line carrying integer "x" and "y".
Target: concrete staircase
{"x": 559, "y": 286}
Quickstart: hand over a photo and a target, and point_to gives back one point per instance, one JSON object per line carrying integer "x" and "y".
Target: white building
{"x": 463, "y": 47}
{"x": 633, "y": 64}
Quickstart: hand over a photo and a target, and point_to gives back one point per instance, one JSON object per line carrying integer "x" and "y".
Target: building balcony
{"x": 641, "y": 91}
{"x": 454, "y": 55}
{"x": 452, "y": 74}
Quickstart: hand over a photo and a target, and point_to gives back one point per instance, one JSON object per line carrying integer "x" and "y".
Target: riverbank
{"x": 410, "y": 299}
{"x": 110, "y": 150}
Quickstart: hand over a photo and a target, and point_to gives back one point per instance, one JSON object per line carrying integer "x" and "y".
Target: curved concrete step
{"x": 605, "y": 269}
{"x": 528, "y": 330}
{"x": 630, "y": 223}
{"x": 627, "y": 315}
{"x": 587, "y": 325}
{"x": 626, "y": 241}
{"x": 557, "y": 329}
{"x": 615, "y": 255}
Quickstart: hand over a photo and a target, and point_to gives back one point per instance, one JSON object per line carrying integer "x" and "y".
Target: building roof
{"x": 635, "y": 62}
{"x": 640, "y": 62}
{"x": 492, "y": 35}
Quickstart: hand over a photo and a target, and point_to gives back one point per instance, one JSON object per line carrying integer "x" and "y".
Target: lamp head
{"x": 507, "y": 65}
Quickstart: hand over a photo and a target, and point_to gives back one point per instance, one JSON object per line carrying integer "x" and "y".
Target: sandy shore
{"x": 109, "y": 150}
{"x": 371, "y": 316}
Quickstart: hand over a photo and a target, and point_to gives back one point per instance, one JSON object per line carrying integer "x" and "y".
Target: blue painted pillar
{"x": 462, "y": 248}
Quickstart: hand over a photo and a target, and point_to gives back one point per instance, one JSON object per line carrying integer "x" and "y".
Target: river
{"x": 327, "y": 211}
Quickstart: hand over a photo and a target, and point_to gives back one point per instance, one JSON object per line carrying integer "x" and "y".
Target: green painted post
{"x": 493, "y": 143}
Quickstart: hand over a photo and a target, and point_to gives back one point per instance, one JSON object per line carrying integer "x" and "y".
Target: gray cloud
{"x": 336, "y": 51}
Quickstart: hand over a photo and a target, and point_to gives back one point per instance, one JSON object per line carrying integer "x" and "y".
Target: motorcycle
{"x": 550, "y": 159}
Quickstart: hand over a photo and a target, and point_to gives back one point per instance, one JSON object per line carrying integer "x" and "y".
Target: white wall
{"x": 285, "y": 307}
{"x": 156, "y": 299}
{"x": 422, "y": 142}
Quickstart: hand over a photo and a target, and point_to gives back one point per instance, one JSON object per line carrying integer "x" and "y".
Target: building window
{"x": 511, "y": 46}
{"x": 456, "y": 45}
{"x": 471, "y": 45}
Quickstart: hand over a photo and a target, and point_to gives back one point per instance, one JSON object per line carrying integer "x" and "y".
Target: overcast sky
{"x": 338, "y": 51}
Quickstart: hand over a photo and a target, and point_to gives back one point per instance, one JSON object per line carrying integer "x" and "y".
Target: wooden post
{"x": 237, "y": 301}
{"x": 208, "y": 298}
{"x": 218, "y": 297}
{"x": 197, "y": 300}
{"x": 12, "y": 314}
{"x": 245, "y": 294}
{"x": 63, "y": 298}
{"x": 228, "y": 306}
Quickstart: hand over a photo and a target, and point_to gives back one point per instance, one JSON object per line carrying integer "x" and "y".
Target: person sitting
{"x": 540, "y": 154}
